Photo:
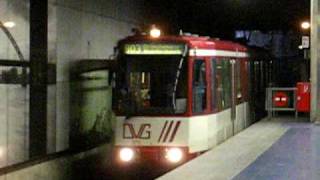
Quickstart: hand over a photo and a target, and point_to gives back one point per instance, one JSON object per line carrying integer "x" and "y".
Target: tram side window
{"x": 215, "y": 80}
{"x": 257, "y": 75}
{"x": 226, "y": 83}
{"x": 218, "y": 84}
{"x": 222, "y": 84}
{"x": 244, "y": 80}
{"x": 199, "y": 86}
{"x": 238, "y": 82}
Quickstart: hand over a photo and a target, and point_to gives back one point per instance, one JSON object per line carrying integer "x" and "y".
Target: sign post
{"x": 305, "y": 42}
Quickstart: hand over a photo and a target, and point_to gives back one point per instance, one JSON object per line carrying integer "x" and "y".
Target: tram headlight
{"x": 174, "y": 155}
{"x": 126, "y": 154}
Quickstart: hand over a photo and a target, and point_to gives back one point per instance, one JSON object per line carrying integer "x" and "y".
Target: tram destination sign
{"x": 153, "y": 49}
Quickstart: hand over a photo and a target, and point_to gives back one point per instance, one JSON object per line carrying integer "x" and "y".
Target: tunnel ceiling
{"x": 218, "y": 17}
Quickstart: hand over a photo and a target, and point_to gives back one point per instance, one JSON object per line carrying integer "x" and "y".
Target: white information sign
{"x": 305, "y": 41}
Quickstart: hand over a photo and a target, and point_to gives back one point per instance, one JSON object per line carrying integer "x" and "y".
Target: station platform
{"x": 279, "y": 148}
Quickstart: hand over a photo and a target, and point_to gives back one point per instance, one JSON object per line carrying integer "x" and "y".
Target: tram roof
{"x": 192, "y": 41}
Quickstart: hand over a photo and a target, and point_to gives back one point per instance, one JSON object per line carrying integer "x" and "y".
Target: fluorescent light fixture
{"x": 9, "y": 24}
{"x": 305, "y": 25}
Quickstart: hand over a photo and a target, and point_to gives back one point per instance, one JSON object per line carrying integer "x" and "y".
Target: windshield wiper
{"x": 177, "y": 77}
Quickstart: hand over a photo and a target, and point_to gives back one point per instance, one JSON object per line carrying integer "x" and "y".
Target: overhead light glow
{"x": 9, "y": 24}
{"x": 126, "y": 154}
{"x": 305, "y": 25}
{"x": 2, "y": 151}
{"x": 155, "y": 32}
{"x": 174, "y": 155}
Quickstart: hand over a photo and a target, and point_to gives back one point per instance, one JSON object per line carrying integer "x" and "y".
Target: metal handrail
{"x": 269, "y": 101}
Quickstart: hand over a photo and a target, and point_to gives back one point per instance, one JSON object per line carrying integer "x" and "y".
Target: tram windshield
{"x": 151, "y": 85}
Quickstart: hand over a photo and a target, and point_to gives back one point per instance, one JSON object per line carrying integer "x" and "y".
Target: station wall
{"x": 84, "y": 30}
{"x": 77, "y": 29}
{"x": 14, "y": 109}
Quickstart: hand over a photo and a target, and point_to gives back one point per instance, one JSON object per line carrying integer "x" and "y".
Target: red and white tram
{"x": 178, "y": 96}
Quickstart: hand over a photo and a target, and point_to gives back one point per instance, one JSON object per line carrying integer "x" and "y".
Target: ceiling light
{"x": 9, "y": 24}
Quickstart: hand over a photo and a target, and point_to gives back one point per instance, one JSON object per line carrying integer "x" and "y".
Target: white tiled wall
{"x": 14, "y": 124}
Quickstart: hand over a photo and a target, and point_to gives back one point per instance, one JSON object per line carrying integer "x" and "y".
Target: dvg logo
{"x": 143, "y": 132}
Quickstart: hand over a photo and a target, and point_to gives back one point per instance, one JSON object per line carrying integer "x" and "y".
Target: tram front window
{"x": 147, "y": 85}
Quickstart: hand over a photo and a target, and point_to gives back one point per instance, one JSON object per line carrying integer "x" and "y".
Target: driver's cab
{"x": 152, "y": 79}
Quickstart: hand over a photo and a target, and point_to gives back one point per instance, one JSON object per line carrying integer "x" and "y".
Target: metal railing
{"x": 270, "y": 105}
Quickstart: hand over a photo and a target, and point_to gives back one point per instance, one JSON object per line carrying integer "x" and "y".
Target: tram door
{"x": 233, "y": 94}
{"x": 238, "y": 114}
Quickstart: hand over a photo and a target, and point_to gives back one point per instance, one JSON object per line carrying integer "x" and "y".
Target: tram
{"x": 178, "y": 96}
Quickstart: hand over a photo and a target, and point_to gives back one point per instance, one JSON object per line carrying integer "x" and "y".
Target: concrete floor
{"x": 281, "y": 148}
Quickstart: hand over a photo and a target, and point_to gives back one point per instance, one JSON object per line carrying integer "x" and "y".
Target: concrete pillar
{"x": 315, "y": 63}
{"x": 38, "y": 77}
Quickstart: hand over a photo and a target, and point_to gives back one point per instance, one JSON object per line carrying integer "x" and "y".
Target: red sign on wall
{"x": 280, "y": 99}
